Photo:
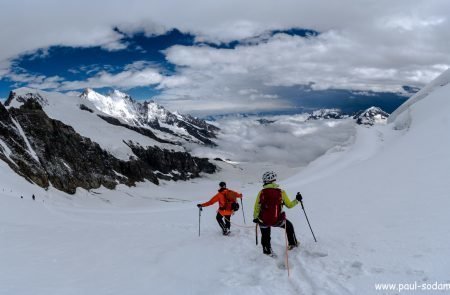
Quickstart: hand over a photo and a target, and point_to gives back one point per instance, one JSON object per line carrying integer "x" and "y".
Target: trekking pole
{"x": 243, "y": 214}
{"x": 199, "y": 215}
{"x": 303, "y": 207}
{"x": 256, "y": 234}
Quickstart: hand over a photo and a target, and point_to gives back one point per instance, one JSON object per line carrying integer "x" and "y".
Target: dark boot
{"x": 267, "y": 250}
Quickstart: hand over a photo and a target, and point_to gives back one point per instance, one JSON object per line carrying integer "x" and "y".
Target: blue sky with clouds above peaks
{"x": 228, "y": 56}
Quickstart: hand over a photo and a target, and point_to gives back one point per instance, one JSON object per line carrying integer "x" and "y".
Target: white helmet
{"x": 269, "y": 176}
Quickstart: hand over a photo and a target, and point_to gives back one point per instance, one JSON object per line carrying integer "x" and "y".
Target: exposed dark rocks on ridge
{"x": 140, "y": 130}
{"x": 46, "y": 151}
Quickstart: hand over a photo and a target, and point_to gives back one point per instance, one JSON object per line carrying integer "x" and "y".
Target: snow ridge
{"x": 440, "y": 81}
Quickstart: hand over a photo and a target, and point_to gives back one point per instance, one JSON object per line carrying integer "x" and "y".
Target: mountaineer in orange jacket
{"x": 227, "y": 205}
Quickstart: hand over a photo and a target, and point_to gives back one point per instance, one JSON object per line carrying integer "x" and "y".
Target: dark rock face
{"x": 265, "y": 121}
{"x": 15, "y": 153}
{"x": 140, "y": 130}
{"x": 181, "y": 165}
{"x": 85, "y": 108}
{"x": 46, "y": 151}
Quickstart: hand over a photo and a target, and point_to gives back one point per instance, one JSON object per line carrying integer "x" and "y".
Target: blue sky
{"x": 80, "y": 63}
{"x": 232, "y": 56}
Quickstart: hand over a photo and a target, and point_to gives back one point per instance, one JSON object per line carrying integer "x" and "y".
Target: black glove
{"x": 256, "y": 220}
{"x": 199, "y": 205}
{"x": 299, "y": 197}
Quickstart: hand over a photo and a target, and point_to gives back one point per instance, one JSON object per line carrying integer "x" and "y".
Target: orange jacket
{"x": 225, "y": 197}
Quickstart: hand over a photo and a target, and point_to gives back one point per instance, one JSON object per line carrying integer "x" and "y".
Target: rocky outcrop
{"x": 172, "y": 165}
{"x": 85, "y": 108}
{"x": 371, "y": 116}
{"x": 15, "y": 152}
{"x": 46, "y": 151}
{"x": 141, "y": 130}
{"x": 264, "y": 121}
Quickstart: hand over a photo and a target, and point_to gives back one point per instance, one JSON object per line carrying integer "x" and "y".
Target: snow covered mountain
{"x": 371, "y": 116}
{"x": 151, "y": 115}
{"x": 327, "y": 114}
{"x": 54, "y": 139}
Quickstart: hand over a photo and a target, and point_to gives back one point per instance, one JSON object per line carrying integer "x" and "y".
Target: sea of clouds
{"x": 287, "y": 140}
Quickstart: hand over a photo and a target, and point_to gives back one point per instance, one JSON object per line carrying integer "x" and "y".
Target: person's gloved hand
{"x": 299, "y": 197}
{"x": 199, "y": 205}
{"x": 256, "y": 220}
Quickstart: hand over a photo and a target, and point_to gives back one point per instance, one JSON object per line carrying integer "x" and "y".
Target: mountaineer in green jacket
{"x": 269, "y": 212}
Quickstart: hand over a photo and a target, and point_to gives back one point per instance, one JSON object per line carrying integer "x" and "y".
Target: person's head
{"x": 222, "y": 184}
{"x": 269, "y": 177}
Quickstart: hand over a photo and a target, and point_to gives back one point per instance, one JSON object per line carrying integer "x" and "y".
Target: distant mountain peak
{"x": 19, "y": 96}
{"x": 371, "y": 116}
{"x": 122, "y": 106}
{"x": 327, "y": 114}
{"x": 116, "y": 104}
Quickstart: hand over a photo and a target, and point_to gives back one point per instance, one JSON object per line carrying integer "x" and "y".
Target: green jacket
{"x": 285, "y": 200}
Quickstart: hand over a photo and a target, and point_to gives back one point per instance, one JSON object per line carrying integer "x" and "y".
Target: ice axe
{"x": 300, "y": 198}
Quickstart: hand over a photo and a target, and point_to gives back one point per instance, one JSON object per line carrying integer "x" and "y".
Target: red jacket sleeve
{"x": 212, "y": 201}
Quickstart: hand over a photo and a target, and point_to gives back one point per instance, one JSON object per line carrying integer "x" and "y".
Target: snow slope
{"x": 385, "y": 214}
{"x": 379, "y": 209}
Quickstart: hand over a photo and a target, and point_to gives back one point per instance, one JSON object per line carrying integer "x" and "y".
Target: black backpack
{"x": 235, "y": 206}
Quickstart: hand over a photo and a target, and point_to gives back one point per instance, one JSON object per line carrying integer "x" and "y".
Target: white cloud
{"x": 35, "y": 81}
{"x": 125, "y": 80}
{"x": 331, "y": 60}
{"x": 334, "y": 59}
{"x": 375, "y": 45}
{"x": 73, "y": 93}
{"x": 289, "y": 141}
{"x": 136, "y": 74}
{"x": 90, "y": 23}
{"x": 173, "y": 82}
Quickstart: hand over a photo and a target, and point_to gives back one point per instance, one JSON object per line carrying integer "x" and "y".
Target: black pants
{"x": 265, "y": 234}
{"x": 223, "y": 225}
